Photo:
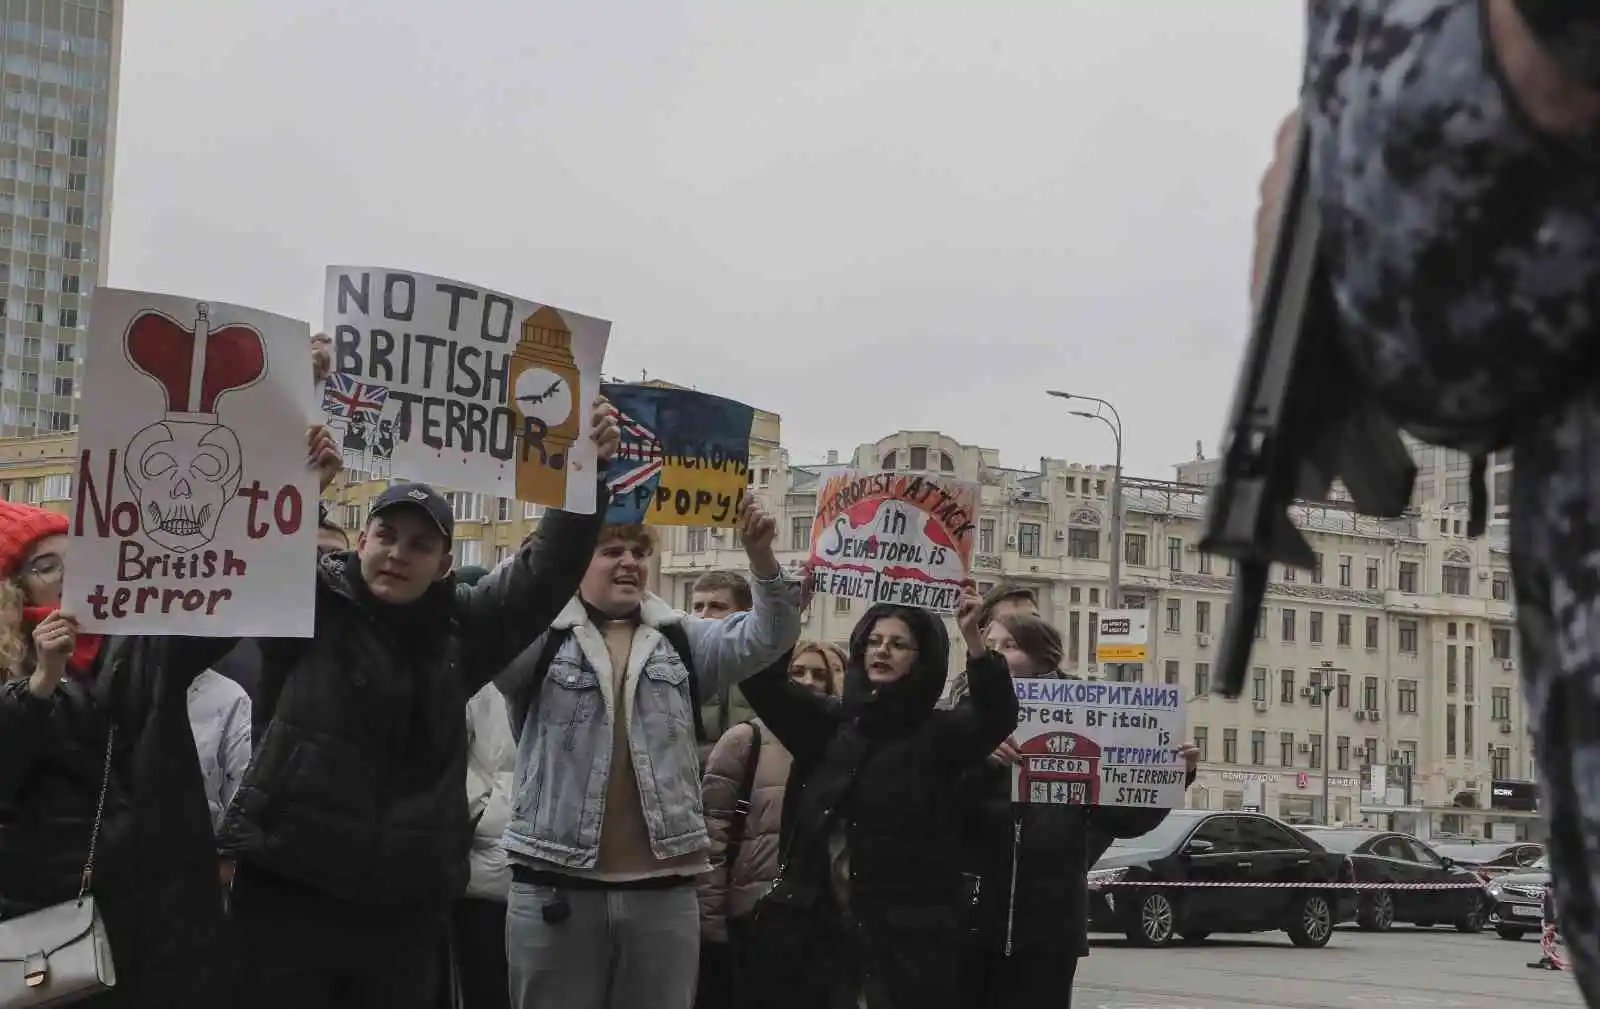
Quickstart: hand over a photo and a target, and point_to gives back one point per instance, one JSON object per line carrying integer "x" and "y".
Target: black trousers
{"x": 477, "y": 954}
{"x": 302, "y": 949}
{"x": 996, "y": 981}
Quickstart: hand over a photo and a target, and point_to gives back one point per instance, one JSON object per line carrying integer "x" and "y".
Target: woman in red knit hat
{"x": 78, "y": 710}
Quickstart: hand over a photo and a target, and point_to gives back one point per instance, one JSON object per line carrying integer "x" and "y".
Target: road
{"x": 1406, "y": 968}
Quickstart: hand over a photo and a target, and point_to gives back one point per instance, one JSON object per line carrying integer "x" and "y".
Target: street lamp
{"x": 1327, "y": 670}
{"x": 1114, "y": 422}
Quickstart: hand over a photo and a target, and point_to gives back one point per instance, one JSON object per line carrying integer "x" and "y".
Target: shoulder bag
{"x": 60, "y": 955}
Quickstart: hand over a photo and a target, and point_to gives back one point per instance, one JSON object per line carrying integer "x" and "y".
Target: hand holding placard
{"x": 967, "y": 612}
{"x": 54, "y": 638}
{"x": 759, "y": 531}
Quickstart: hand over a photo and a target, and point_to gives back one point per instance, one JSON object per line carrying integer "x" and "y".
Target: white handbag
{"x": 60, "y": 955}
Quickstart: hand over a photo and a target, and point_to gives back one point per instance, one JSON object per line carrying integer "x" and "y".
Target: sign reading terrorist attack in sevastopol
{"x": 464, "y": 387}
{"x": 195, "y": 512}
{"x": 1092, "y": 743}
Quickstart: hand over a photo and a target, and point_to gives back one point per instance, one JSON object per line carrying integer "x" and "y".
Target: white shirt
{"x": 219, "y": 716}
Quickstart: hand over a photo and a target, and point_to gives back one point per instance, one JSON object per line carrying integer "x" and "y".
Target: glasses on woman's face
{"x": 45, "y": 569}
{"x": 899, "y": 646}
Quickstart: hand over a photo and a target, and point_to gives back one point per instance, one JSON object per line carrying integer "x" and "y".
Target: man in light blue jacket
{"x": 607, "y": 835}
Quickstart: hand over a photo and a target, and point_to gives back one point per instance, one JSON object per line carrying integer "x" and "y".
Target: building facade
{"x": 60, "y": 63}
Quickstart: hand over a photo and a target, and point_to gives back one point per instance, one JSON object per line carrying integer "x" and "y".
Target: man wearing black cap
{"x": 350, "y": 832}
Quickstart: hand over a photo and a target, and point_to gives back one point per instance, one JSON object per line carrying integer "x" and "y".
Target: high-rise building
{"x": 60, "y": 64}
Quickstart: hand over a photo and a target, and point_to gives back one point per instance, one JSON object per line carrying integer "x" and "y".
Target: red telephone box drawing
{"x": 1061, "y": 768}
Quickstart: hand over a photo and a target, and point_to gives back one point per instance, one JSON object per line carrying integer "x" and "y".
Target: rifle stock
{"x": 1300, "y": 419}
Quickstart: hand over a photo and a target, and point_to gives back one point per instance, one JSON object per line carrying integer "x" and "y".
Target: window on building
{"x": 531, "y": 511}
{"x": 1369, "y": 693}
{"x": 1083, "y": 544}
{"x": 1202, "y": 742}
{"x": 1500, "y": 704}
{"x": 62, "y": 385}
{"x": 1450, "y": 730}
{"x": 1455, "y": 580}
{"x": 1028, "y": 538}
{"x": 73, "y": 250}
{"x": 1202, "y": 617}
{"x": 986, "y": 536}
{"x": 1073, "y": 630}
{"x": 1288, "y": 624}
{"x": 1408, "y": 637}
{"x": 79, "y": 147}
{"x": 1093, "y": 623}
{"x": 1286, "y": 686}
{"x": 352, "y": 516}
{"x": 1230, "y": 746}
{"x": 1173, "y": 673}
{"x": 1372, "y": 573}
{"x": 1258, "y": 684}
{"x": 1315, "y": 739}
{"x": 57, "y": 487}
{"x": 1202, "y": 679}
{"x": 469, "y": 553}
{"x": 1406, "y": 696}
{"x": 919, "y": 458}
{"x": 1174, "y": 553}
{"x": 1468, "y": 722}
{"x": 1341, "y": 752}
{"x": 1372, "y": 633}
{"x": 1500, "y": 587}
{"x": 1500, "y": 642}
{"x": 503, "y": 509}
{"x": 34, "y": 312}
{"x": 1500, "y": 763}
{"x": 466, "y": 508}
{"x": 1451, "y": 675}
{"x": 841, "y": 604}
{"x": 800, "y": 532}
{"x": 77, "y": 181}
{"x": 696, "y": 540}
{"x": 1408, "y": 577}
{"x": 891, "y": 461}
{"x": 1314, "y": 627}
{"x": 1289, "y": 574}
{"x": 1342, "y": 694}
{"x": 1258, "y": 747}
{"x": 1135, "y": 553}
{"x": 1203, "y": 563}
{"x": 1346, "y": 570}
{"x": 1316, "y": 569}
{"x": 1174, "y": 614}
{"x": 1468, "y": 673}
{"x": 1261, "y": 624}
{"x": 1286, "y": 749}
{"x": 946, "y": 464}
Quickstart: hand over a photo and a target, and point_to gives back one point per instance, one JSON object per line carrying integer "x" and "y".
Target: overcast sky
{"x": 865, "y": 216}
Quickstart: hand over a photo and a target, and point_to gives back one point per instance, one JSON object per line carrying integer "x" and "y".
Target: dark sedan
{"x": 1491, "y": 858}
{"x": 1200, "y": 846}
{"x": 1386, "y": 857}
{"x": 1516, "y": 901}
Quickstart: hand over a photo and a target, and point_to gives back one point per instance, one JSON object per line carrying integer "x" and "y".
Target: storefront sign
{"x": 1517, "y": 795}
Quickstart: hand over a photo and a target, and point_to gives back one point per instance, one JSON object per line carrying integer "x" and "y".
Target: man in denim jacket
{"x": 608, "y": 838}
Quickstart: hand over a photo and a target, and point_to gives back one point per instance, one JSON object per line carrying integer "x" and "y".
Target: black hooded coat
{"x": 881, "y": 765}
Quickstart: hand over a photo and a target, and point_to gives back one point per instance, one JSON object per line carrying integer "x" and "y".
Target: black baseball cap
{"x": 420, "y": 496}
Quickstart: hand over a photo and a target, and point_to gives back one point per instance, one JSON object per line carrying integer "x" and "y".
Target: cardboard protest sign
{"x": 195, "y": 513}
{"x": 461, "y": 386}
{"x": 684, "y": 458}
{"x": 1092, "y": 743}
{"x": 893, "y": 538}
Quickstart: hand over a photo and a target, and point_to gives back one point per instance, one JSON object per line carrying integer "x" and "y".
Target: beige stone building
{"x": 1409, "y": 621}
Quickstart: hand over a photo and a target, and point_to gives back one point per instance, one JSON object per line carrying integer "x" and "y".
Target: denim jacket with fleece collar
{"x": 564, "y": 726}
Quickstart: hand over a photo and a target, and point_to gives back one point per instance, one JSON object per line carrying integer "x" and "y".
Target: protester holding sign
{"x": 1031, "y": 860}
{"x": 350, "y": 829}
{"x": 90, "y": 723}
{"x": 869, "y": 900}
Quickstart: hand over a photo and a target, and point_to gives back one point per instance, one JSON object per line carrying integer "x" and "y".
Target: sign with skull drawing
{"x": 194, "y": 512}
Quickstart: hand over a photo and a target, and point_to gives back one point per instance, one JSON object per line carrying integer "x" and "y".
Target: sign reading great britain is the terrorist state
{"x": 893, "y": 538}
{"x": 1092, "y": 743}
{"x": 462, "y": 386}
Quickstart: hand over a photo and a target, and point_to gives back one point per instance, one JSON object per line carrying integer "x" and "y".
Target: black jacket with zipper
{"x": 1033, "y": 861}
{"x": 882, "y": 766}
{"x": 361, "y": 747}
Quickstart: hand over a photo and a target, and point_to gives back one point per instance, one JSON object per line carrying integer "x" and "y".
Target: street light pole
{"x": 1114, "y": 422}
{"x": 1328, "y": 670}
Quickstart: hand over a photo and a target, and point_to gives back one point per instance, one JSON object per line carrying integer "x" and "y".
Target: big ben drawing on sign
{"x": 544, "y": 391}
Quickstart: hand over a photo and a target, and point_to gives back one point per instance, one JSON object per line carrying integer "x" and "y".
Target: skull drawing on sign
{"x": 183, "y": 474}
{"x": 186, "y": 467}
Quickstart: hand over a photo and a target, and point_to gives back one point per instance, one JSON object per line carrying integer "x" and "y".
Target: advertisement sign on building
{"x": 1522, "y": 796}
{"x": 1124, "y": 635}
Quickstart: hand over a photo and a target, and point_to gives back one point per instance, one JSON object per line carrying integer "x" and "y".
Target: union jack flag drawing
{"x": 345, "y": 397}
{"x": 639, "y": 456}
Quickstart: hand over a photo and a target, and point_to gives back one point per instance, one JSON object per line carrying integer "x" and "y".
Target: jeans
{"x": 616, "y": 949}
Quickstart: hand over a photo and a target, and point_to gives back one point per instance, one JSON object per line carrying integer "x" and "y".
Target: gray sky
{"x": 865, "y": 216}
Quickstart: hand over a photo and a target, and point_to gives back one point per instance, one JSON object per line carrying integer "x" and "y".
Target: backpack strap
{"x": 678, "y": 638}
{"x": 741, "y": 804}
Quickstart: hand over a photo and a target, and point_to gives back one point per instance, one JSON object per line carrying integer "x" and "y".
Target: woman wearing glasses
{"x": 867, "y": 905}
{"x": 86, "y": 720}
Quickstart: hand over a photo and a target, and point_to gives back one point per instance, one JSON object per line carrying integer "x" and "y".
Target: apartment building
{"x": 1409, "y": 622}
{"x": 60, "y": 62}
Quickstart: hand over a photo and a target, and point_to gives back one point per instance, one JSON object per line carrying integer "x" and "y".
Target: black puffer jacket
{"x": 156, "y": 871}
{"x": 355, "y": 789}
{"x": 882, "y": 766}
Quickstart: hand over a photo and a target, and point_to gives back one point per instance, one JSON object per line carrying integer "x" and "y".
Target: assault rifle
{"x": 1300, "y": 419}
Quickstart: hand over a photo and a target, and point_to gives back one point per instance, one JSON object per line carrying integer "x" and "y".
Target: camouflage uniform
{"x": 1464, "y": 249}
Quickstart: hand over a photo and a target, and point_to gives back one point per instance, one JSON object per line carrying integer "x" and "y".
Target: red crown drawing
{"x": 195, "y": 367}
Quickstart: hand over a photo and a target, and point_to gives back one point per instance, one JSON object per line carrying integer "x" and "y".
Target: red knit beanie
{"x": 21, "y": 526}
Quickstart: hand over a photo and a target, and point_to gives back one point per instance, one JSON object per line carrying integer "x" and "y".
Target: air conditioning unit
{"x": 1305, "y": 747}
{"x": 1011, "y": 541}
{"x": 1372, "y": 714}
{"x": 1505, "y": 728}
{"x": 718, "y": 532}
{"x": 1261, "y": 705}
{"x": 1307, "y": 691}
{"x": 1203, "y": 640}
{"x": 1361, "y": 751}
{"x": 1061, "y": 534}
{"x": 1508, "y": 664}
{"x": 1361, "y": 716}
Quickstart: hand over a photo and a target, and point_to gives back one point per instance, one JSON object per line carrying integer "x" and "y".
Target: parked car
{"x": 1379, "y": 856}
{"x": 1516, "y": 901}
{"x": 1201, "y": 846}
{"x": 1491, "y": 858}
